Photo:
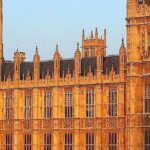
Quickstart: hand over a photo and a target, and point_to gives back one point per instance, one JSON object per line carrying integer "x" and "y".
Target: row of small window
{"x": 68, "y": 141}
{"x": 89, "y": 50}
{"x": 69, "y": 105}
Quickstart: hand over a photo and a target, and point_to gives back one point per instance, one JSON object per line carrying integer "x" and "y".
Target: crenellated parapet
{"x": 59, "y": 71}
{"x": 94, "y": 45}
{"x": 146, "y": 56}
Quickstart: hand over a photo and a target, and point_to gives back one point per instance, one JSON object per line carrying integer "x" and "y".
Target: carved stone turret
{"x": 36, "y": 65}
{"x": 57, "y": 59}
{"x": 122, "y": 59}
{"x": 1, "y": 37}
{"x": 1, "y": 32}
{"x": 19, "y": 57}
{"x": 91, "y": 45}
{"x": 77, "y": 61}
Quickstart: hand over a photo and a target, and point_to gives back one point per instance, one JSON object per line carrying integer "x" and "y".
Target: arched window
{"x": 68, "y": 141}
{"x": 47, "y": 141}
{"x": 90, "y": 141}
{"x": 147, "y": 99}
{"x": 68, "y": 104}
{"x": 92, "y": 52}
{"x": 86, "y": 52}
{"x": 112, "y": 141}
{"x": 90, "y": 103}
{"x": 47, "y": 104}
{"x": 149, "y": 41}
{"x": 27, "y": 141}
{"x": 9, "y": 141}
{"x": 140, "y": 1}
{"x": 9, "y": 105}
{"x": 28, "y": 104}
{"x": 112, "y": 103}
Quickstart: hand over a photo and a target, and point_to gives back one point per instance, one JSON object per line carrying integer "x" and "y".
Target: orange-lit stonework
{"x": 90, "y": 102}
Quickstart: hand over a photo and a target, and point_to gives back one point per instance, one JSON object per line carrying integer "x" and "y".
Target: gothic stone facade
{"x": 90, "y": 102}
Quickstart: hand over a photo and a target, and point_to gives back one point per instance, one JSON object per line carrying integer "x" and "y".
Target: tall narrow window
{"x": 147, "y": 140}
{"x": 90, "y": 141}
{"x": 68, "y": 141}
{"x": 47, "y": 141}
{"x": 112, "y": 141}
{"x": 9, "y": 105}
{"x": 27, "y": 142}
{"x": 147, "y": 99}
{"x": 92, "y": 52}
{"x": 149, "y": 41}
{"x": 47, "y": 105}
{"x": 86, "y": 54}
{"x": 90, "y": 103}
{"x": 9, "y": 141}
{"x": 68, "y": 104}
{"x": 112, "y": 102}
{"x": 28, "y": 104}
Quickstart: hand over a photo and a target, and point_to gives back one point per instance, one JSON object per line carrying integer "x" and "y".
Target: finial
{"x": 91, "y": 34}
{"x": 68, "y": 66}
{"x": 36, "y": 49}
{"x": 17, "y": 48}
{"x": 96, "y": 33}
{"x": 105, "y": 34}
{"x": 96, "y": 30}
{"x": 57, "y": 47}
{"x": 77, "y": 45}
{"x": 122, "y": 40}
{"x": 83, "y": 31}
{"x": 83, "y": 35}
{"x": 122, "y": 44}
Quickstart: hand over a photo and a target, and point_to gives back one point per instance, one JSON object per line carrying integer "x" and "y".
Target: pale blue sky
{"x": 48, "y": 22}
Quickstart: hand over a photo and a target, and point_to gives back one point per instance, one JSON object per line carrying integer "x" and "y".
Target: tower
{"x": 138, "y": 62}
{"x": 138, "y": 29}
{"x": 92, "y": 45}
{"x": 1, "y": 30}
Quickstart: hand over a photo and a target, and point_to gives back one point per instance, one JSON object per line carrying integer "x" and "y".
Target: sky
{"x": 45, "y": 23}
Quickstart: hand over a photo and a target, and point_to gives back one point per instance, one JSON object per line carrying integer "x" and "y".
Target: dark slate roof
{"x": 66, "y": 65}
{"x": 7, "y": 69}
{"x": 86, "y": 64}
{"x": 110, "y": 61}
{"x": 26, "y": 67}
{"x": 46, "y": 68}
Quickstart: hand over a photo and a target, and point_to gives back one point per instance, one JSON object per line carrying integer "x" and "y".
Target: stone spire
{"x": 77, "y": 61}
{"x": 1, "y": 31}
{"x": 96, "y": 33}
{"x": 36, "y": 55}
{"x": 122, "y": 48}
{"x": 122, "y": 57}
{"x": 57, "y": 59}
{"x": 83, "y": 35}
{"x": 56, "y": 54}
{"x": 36, "y": 65}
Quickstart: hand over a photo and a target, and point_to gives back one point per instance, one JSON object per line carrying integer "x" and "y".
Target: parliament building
{"x": 92, "y": 101}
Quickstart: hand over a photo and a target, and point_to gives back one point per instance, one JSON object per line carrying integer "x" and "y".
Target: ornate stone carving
{"x": 27, "y": 124}
{"x": 9, "y": 125}
{"x": 89, "y": 123}
{"x": 67, "y": 123}
{"x": 112, "y": 122}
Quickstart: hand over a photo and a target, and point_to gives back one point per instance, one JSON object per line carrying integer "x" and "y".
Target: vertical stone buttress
{"x": 77, "y": 62}
{"x": 57, "y": 59}
{"x": 138, "y": 27}
{"x": 1, "y": 37}
{"x": 1, "y": 31}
